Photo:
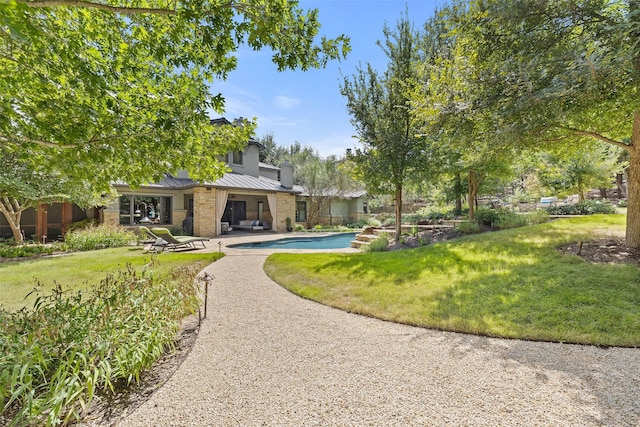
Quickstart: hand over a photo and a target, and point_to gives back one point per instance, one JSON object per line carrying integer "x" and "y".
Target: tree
{"x": 551, "y": 72}
{"x": 393, "y": 149}
{"x": 323, "y": 180}
{"x": 22, "y": 187}
{"x": 581, "y": 169}
{"x": 116, "y": 90}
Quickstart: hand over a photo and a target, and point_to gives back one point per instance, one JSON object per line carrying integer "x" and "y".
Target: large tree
{"x": 323, "y": 180}
{"x": 108, "y": 90}
{"x": 393, "y": 150}
{"x": 549, "y": 72}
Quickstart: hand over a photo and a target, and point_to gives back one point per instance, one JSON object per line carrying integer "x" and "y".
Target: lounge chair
{"x": 162, "y": 238}
{"x": 153, "y": 239}
{"x": 176, "y": 242}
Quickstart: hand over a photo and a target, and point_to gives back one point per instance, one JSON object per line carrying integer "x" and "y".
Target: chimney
{"x": 286, "y": 174}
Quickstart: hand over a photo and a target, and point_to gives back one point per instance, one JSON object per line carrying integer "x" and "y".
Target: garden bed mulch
{"x": 606, "y": 251}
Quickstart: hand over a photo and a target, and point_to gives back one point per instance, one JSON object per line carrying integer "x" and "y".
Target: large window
{"x": 301, "y": 211}
{"x": 143, "y": 210}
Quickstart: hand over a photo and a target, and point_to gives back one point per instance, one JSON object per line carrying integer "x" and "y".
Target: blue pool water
{"x": 334, "y": 241}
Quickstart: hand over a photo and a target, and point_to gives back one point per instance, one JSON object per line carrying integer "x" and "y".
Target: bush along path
{"x": 56, "y": 355}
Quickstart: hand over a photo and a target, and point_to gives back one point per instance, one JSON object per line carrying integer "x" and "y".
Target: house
{"x": 251, "y": 191}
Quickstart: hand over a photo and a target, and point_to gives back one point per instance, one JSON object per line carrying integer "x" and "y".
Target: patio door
{"x": 235, "y": 212}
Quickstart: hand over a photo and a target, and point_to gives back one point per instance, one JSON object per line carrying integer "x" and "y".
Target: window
{"x": 301, "y": 211}
{"x": 237, "y": 157}
{"x": 145, "y": 210}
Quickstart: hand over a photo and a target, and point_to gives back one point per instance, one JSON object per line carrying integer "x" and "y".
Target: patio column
{"x": 204, "y": 212}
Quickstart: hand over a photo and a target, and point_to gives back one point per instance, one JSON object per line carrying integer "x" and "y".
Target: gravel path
{"x": 267, "y": 357}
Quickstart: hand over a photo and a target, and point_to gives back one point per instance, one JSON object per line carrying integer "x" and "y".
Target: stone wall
{"x": 204, "y": 212}
{"x": 286, "y": 209}
{"x": 111, "y": 217}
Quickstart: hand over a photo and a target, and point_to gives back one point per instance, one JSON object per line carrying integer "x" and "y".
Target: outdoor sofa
{"x": 250, "y": 224}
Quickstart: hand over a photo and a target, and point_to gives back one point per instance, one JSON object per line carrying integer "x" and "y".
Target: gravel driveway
{"x": 267, "y": 357}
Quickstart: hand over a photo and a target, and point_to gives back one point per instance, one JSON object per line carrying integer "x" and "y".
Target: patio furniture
{"x": 166, "y": 240}
{"x": 249, "y": 224}
{"x": 154, "y": 240}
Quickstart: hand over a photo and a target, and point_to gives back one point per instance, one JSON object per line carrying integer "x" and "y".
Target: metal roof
{"x": 247, "y": 182}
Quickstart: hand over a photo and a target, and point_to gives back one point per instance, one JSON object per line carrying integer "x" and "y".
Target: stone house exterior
{"x": 251, "y": 191}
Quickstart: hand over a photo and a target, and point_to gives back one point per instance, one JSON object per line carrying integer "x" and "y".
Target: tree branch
{"x": 128, "y": 10}
{"x": 100, "y": 6}
{"x": 597, "y": 136}
{"x": 37, "y": 142}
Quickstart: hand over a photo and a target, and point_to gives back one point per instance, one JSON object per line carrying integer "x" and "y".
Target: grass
{"x": 512, "y": 283}
{"x": 80, "y": 270}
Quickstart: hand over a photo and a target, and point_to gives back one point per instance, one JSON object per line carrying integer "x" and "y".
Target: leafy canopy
{"x": 119, "y": 90}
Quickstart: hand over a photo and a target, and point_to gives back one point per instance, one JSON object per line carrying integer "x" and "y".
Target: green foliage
{"x": 622, "y": 204}
{"x": 588, "y": 207}
{"x": 538, "y": 216}
{"x": 380, "y": 244}
{"x": 12, "y": 251}
{"x": 100, "y": 237}
{"x": 503, "y": 218}
{"x": 59, "y": 353}
{"x": 579, "y": 169}
{"x": 394, "y": 150}
{"x": 488, "y": 216}
{"x": 124, "y": 88}
{"x": 299, "y": 227}
{"x": 468, "y": 227}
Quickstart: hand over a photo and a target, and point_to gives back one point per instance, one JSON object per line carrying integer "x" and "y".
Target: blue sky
{"x": 307, "y": 106}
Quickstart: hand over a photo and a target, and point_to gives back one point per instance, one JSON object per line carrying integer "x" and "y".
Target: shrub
{"x": 538, "y": 216}
{"x": 380, "y": 244}
{"x": 98, "y": 238}
{"x": 622, "y": 203}
{"x": 487, "y": 216}
{"x": 25, "y": 251}
{"x": 299, "y": 227}
{"x": 374, "y": 222}
{"x": 588, "y": 207}
{"x": 468, "y": 227}
{"x": 59, "y": 353}
{"x": 358, "y": 224}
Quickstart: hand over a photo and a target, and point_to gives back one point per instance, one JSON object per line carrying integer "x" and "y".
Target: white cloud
{"x": 285, "y": 102}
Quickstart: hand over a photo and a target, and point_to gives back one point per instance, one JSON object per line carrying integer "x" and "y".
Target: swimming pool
{"x": 334, "y": 241}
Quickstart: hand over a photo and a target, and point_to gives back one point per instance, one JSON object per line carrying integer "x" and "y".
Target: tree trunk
{"x": 398, "y": 196}
{"x": 13, "y": 217}
{"x": 633, "y": 187}
{"x": 472, "y": 179}
{"x": 458, "y": 194}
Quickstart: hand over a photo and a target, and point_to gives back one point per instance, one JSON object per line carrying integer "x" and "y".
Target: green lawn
{"x": 82, "y": 269}
{"x": 511, "y": 283}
